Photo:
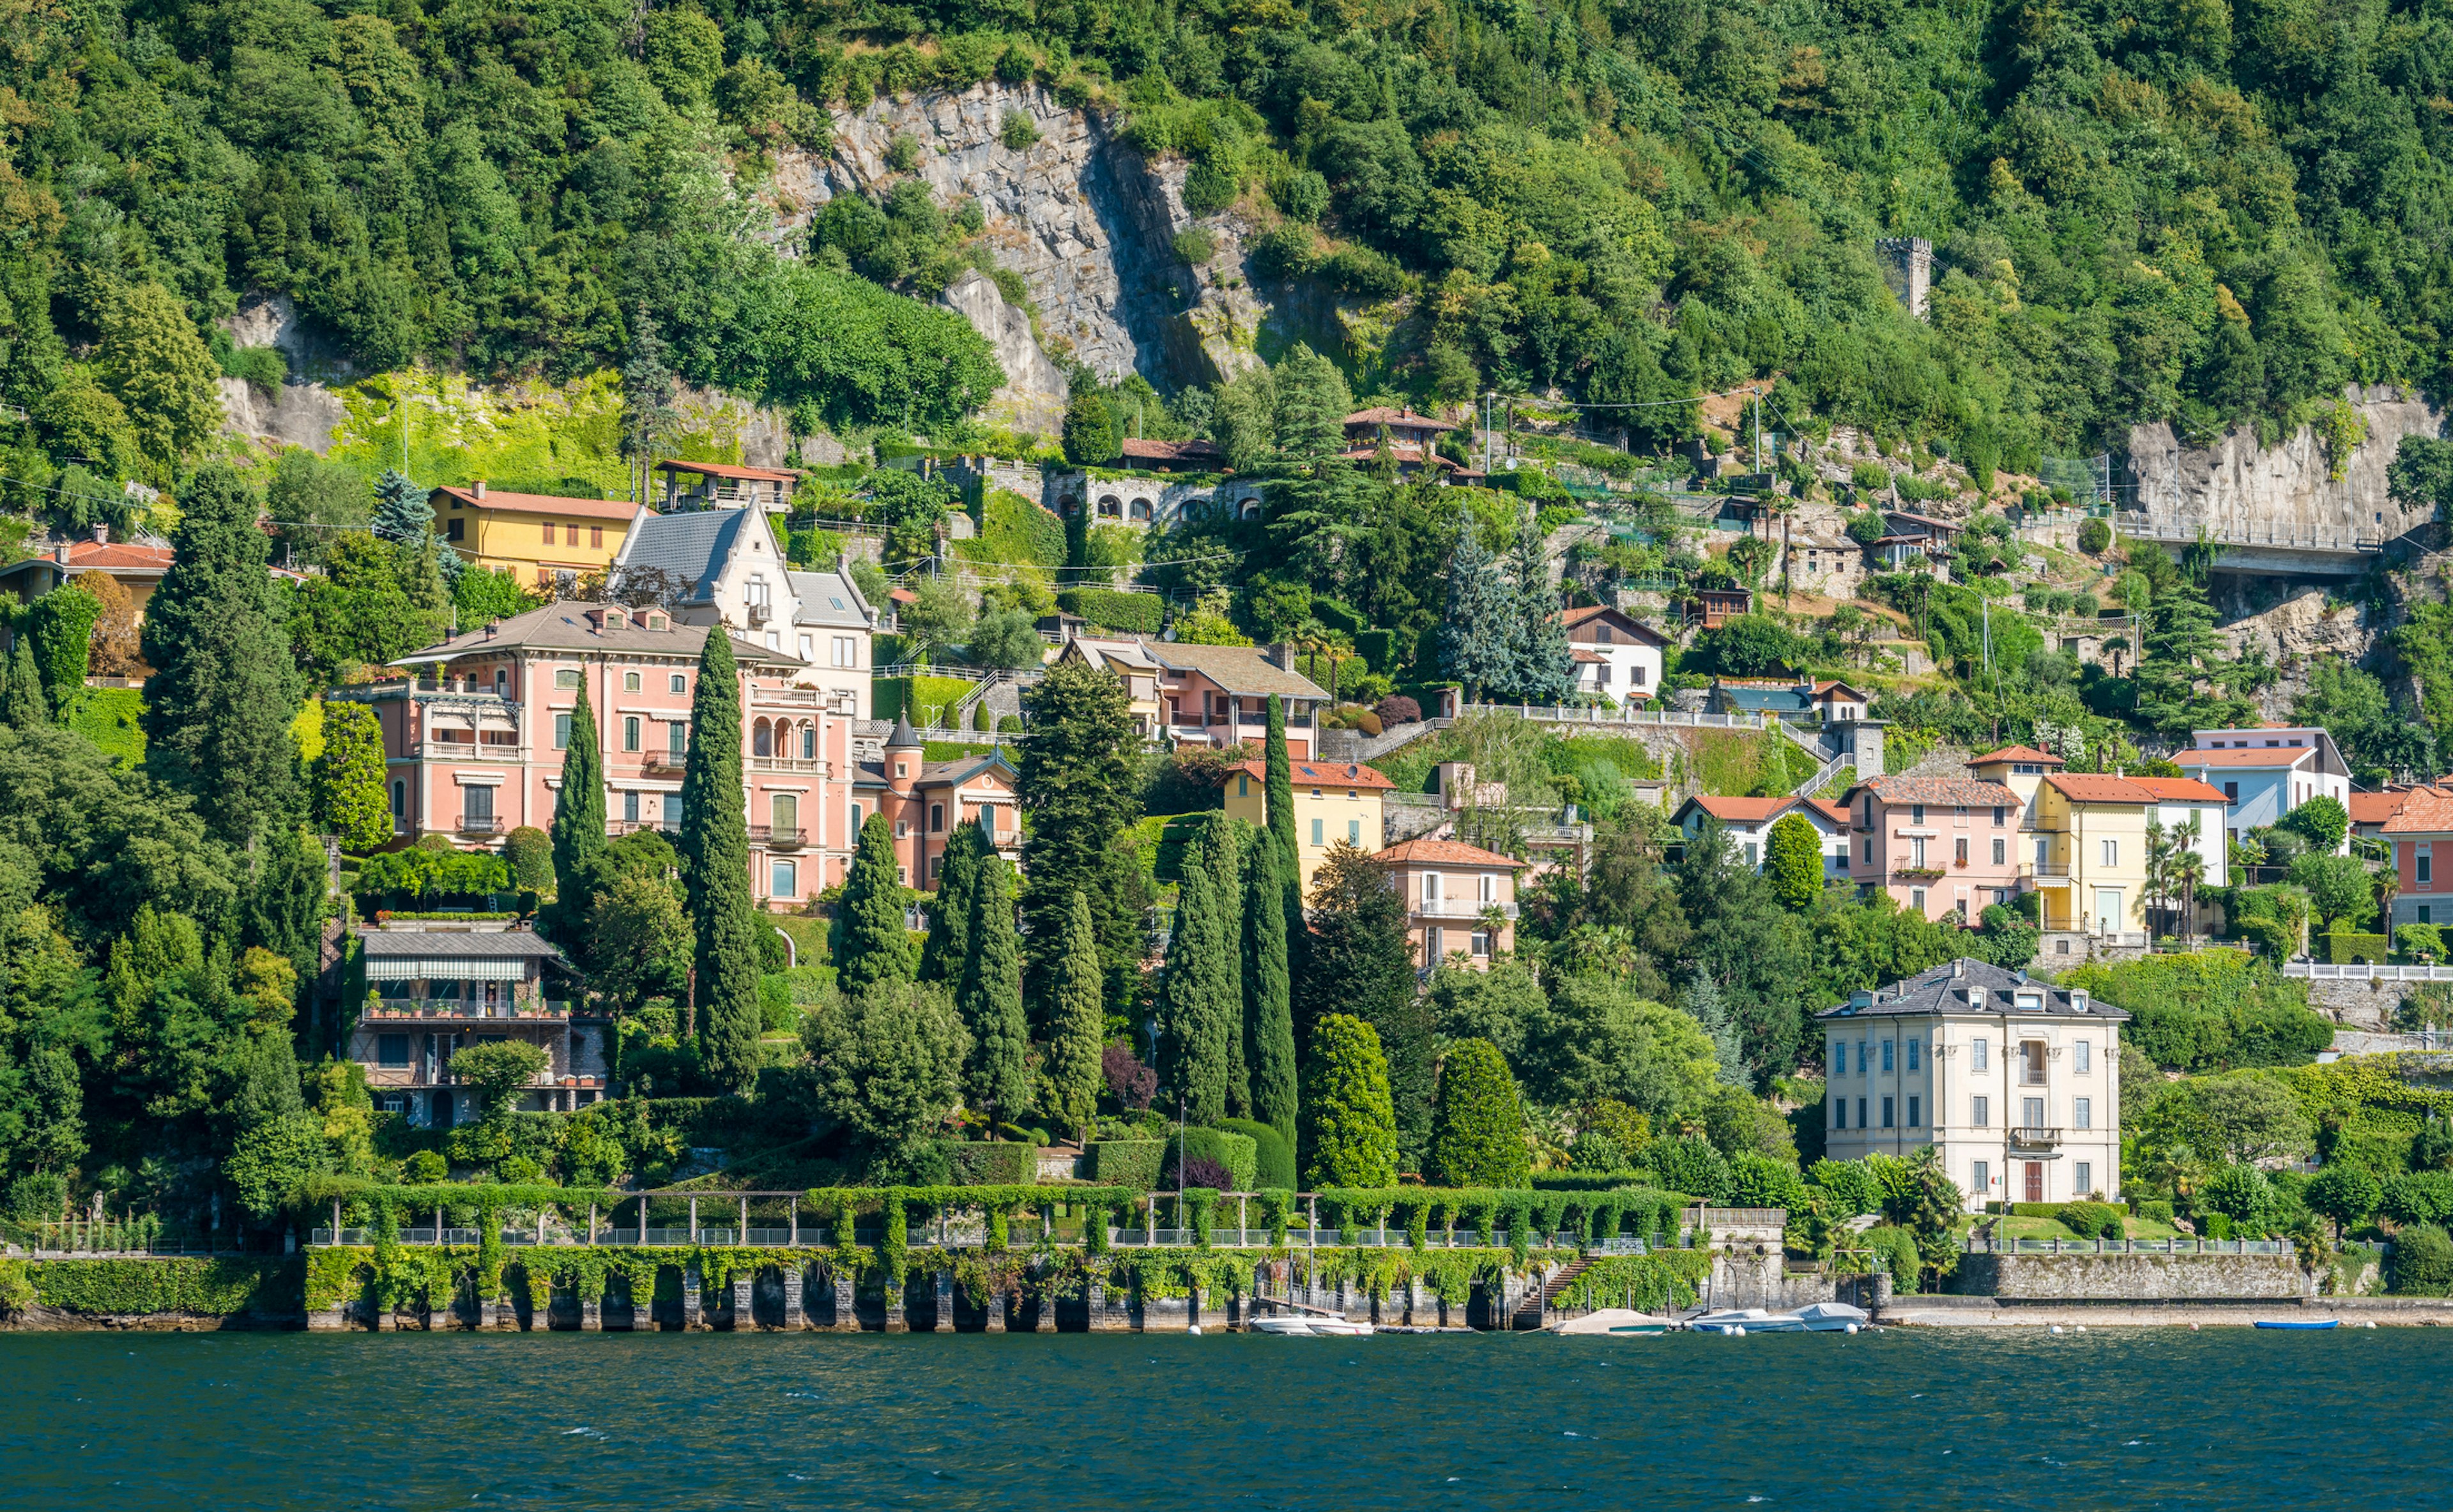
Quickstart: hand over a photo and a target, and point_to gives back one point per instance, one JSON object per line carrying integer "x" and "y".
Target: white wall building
{"x": 1617, "y": 656}
{"x": 726, "y": 565}
{"x": 2266, "y": 772}
{"x": 2014, "y": 1081}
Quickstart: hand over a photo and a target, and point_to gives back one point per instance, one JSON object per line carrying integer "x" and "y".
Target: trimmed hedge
{"x": 1239, "y": 1153}
{"x": 1273, "y": 1164}
{"x": 1108, "y": 610}
{"x": 922, "y": 700}
{"x": 999, "y": 1163}
{"x": 2344, "y": 950}
{"x": 219, "y": 1288}
{"x": 1127, "y": 1163}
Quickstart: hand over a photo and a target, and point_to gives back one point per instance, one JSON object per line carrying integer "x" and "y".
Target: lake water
{"x": 1082, "y": 1424}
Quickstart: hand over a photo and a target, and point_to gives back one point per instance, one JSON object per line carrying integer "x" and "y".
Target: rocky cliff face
{"x": 1088, "y": 222}
{"x": 2237, "y": 491}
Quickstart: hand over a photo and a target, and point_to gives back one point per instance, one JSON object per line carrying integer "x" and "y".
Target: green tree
{"x": 1542, "y": 668}
{"x": 1278, "y": 793}
{"x": 1201, "y": 1006}
{"x": 362, "y": 611}
{"x": 1077, "y": 1020}
{"x": 1477, "y": 1130}
{"x": 1091, "y": 438}
{"x": 1268, "y": 1005}
{"x": 2185, "y": 682}
{"x": 1361, "y": 965}
{"x": 2322, "y": 821}
{"x": 1473, "y": 635}
{"x": 1312, "y": 404}
{"x": 639, "y": 939}
{"x": 2338, "y": 886}
{"x": 59, "y": 626}
{"x": 1078, "y": 785}
{"x": 499, "y": 1071}
{"x": 2344, "y": 1193}
{"x": 528, "y": 851}
{"x": 218, "y": 706}
{"x": 888, "y": 1064}
{"x": 22, "y": 702}
{"x": 351, "y": 801}
{"x": 991, "y": 998}
{"x": 1793, "y": 861}
{"x": 1349, "y": 1130}
{"x": 1702, "y": 1002}
{"x": 578, "y": 826}
{"x": 716, "y": 874}
{"x": 152, "y": 361}
{"x": 948, "y": 943}
{"x": 402, "y": 515}
{"x": 874, "y": 945}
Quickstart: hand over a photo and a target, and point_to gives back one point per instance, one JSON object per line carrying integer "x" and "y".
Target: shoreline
{"x": 2022, "y": 1312}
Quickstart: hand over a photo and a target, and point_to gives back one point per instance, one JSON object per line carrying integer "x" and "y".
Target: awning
{"x": 446, "y": 968}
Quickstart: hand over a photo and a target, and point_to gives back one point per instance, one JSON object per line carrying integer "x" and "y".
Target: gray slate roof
{"x": 565, "y": 626}
{"x": 1967, "y": 986}
{"x": 829, "y": 599}
{"x": 510, "y": 944}
{"x": 691, "y": 546}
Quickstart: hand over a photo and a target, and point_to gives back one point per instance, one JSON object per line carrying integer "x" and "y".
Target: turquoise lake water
{"x": 1081, "y": 1424}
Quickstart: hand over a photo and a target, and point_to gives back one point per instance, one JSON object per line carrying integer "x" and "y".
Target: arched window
{"x": 762, "y": 739}
{"x": 1141, "y": 509}
{"x": 809, "y": 742}
{"x": 1110, "y": 507}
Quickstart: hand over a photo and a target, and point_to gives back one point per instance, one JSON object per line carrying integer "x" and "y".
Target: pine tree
{"x": 1269, "y": 1007}
{"x": 950, "y": 912}
{"x": 648, "y": 392}
{"x": 1278, "y": 788}
{"x": 1702, "y": 1002}
{"x": 875, "y": 945}
{"x": 716, "y": 874}
{"x": 350, "y": 798}
{"x": 990, "y": 999}
{"x": 578, "y": 824}
{"x": 402, "y": 516}
{"x": 1076, "y": 1018}
{"x": 1313, "y": 402}
{"x": 224, "y": 689}
{"x": 1078, "y": 784}
{"x": 1473, "y": 638}
{"x": 1349, "y": 1131}
{"x": 1544, "y": 668}
{"x": 22, "y": 705}
{"x": 1201, "y": 1002}
{"x": 2184, "y": 681}
{"x": 1478, "y": 1132}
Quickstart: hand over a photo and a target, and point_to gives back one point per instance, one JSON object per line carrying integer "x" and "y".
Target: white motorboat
{"x": 1739, "y": 1321}
{"x": 1311, "y": 1327}
{"x": 1834, "y": 1318}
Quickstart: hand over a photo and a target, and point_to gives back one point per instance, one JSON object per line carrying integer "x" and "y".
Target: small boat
{"x": 1833, "y": 1318}
{"x": 1311, "y": 1327}
{"x": 1623, "y": 1322}
{"x": 2313, "y": 1325}
{"x": 1740, "y": 1321}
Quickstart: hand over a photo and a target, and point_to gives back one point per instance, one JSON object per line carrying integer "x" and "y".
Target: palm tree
{"x": 2159, "y": 867}
{"x": 2189, "y": 869}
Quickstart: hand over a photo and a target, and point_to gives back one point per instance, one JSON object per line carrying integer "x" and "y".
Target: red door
{"x": 2035, "y": 1181}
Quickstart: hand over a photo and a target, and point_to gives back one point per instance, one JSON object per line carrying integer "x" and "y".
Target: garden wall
{"x": 2131, "y": 1277}
{"x": 153, "y": 1293}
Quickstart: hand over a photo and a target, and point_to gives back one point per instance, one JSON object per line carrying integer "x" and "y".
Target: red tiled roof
{"x": 116, "y": 556}
{"x": 1739, "y": 810}
{"x": 2425, "y": 812}
{"x": 1577, "y": 618}
{"x": 2017, "y": 753}
{"x": 542, "y": 504}
{"x": 725, "y": 469}
{"x": 2375, "y": 809}
{"x": 1322, "y": 774}
{"x": 2269, "y": 756}
{"x": 2179, "y": 790}
{"x": 1830, "y": 809}
{"x": 1577, "y": 653}
{"x": 1969, "y": 792}
{"x": 1407, "y": 418}
{"x": 1175, "y": 451}
{"x": 1444, "y": 853}
{"x": 2096, "y": 787}
{"x": 1828, "y": 687}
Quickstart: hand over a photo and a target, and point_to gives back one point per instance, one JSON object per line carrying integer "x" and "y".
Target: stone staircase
{"x": 1535, "y": 1309}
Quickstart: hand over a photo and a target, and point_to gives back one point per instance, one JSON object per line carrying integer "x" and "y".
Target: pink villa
{"x": 476, "y": 735}
{"x": 1937, "y": 844}
{"x": 1454, "y": 895}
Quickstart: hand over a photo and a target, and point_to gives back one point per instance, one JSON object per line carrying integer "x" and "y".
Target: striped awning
{"x": 448, "y": 969}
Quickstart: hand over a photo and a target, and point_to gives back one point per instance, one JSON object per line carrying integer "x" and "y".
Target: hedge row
{"x": 1273, "y": 1157}
{"x": 1003, "y": 1162}
{"x": 922, "y": 700}
{"x": 220, "y": 1287}
{"x": 1238, "y": 1154}
{"x": 1108, "y": 610}
{"x": 1127, "y": 1163}
{"x": 2342, "y": 949}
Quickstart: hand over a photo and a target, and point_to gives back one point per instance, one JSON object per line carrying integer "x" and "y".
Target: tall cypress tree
{"x": 578, "y": 822}
{"x": 715, "y": 873}
{"x": 224, "y": 689}
{"x": 1278, "y": 788}
{"x": 872, "y": 944}
{"x": 1078, "y": 785}
{"x": 990, "y": 999}
{"x": 22, "y": 705}
{"x": 1202, "y": 1004}
{"x": 1269, "y": 1007}
{"x": 949, "y": 912}
{"x": 1076, "y": 1019}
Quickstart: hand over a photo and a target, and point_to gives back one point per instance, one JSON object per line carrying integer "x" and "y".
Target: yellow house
{"x": 545, "y": 541}
{"x": 2089, "y": 838}
{"x": 1334, "y": 802}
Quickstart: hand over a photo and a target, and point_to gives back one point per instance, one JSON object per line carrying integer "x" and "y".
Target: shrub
{"x": 2423, "y": 1262}
{"x": 1895, "y": 1248}
{"x": 1478, "y": 1126}
{"x": 1758, "y": 1181}
{"x": 1869, "y": 477}
{"x": 1364, "y": 272}
{"x": 2093, "y": 537}
{"x": 1687, "y": 1164}
{"x": 2155, "y": 1212}
{"x": 1273, "y": 1159}
{"x": 1351, "y": 1126}
{"x": 996, "y": 1163}
{"x": 1288, "y": 252}
{"x": 425, "y": 1168}
{"x": 1867, "y": 528}
{"x": 529, "y": 852}
{"x": 2419, "y": 940}
{"x": 1235, "y": 1155}
{"x": 1129, "y": 1081}
{"x": 1851, "y": 1185}
{"x": 1398, "y": 709}
{"x": 1018, "y": 132}
{"x": 2345, "y": 948}
{"x": 2242, "y": 1193}
{"x": 1127, "y": 1163}
{"x": 1369, "y": 723}
{"x": 2090, "y": 1220}
{"x": 1196, "y": 244}
{"x": 1134, "y": 614}
{"x": 2422, "y": 1197}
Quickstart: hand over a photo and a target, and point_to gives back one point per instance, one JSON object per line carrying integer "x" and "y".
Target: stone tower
{"x": 1907, "y": 267}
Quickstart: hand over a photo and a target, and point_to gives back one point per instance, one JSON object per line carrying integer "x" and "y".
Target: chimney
{"x": 477, "y": 490}
{"x": 101, "y": 533}
{"x": 60, "y": 553}
{"x": 1281, "y": 655}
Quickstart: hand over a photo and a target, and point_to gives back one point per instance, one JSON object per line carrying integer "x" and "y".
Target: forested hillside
{"x": 2176, "y": 209}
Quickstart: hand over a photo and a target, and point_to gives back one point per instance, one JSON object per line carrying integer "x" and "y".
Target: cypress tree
{"x": 1278, "y": 789}
{"x": 1201, "y": 1007}
{"x": 949, "y": 912}
{"x": 1349, "y": 1133}
{"x": 1268, "y": 1004}
{"x": 874, "y": 945}
{"x": 578, "y": 827}
{"x": 1229, "y": 897}
{"x": 1362, "y": 965}
{"x": 1077, "y": 1020}
{"x": 990, "y": 999}
{"x": 224, "y": 689}
{"x": 22, "y": 705}
{"x": 1478, "y": 1132}
{"x": 716, "y": 874}
{"x": 1078, "y": 785}
{"x": 350, "y": 798}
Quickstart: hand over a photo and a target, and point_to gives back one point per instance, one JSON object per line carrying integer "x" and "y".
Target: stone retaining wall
{"x": 1989, "y": 1312}
{"x": 2131, "y": 1277}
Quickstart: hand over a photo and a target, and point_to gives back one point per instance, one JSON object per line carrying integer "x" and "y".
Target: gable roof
{"x": 830, "y": 598}
{"x": 1240, "y": 669}
{"x": 1443, "y": 853}
{"x": 1732, "y": 810}
{"x": 2375, "y": 809}
{"x": 1322, "y": 774}
{"x": 1967, "y": 986}
{"x": 692, "y": 547}
{"x": 565, "y": 626}
{"x": 1577, "y": 619}
{"x": 1830, "y": 685}
{"x": 725, "y": 469}
{"x": 2255, "y": 758}
{"x": 2017, "y": 753}
{"x": 962, "y": 769}
{"x": 543, "y": 502}
{"x": 1972, "y": 792}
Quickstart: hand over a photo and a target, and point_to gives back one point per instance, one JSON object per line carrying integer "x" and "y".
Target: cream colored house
{"x": 2014, "y": 1081}
{"x": 2087, "y": 843}
{"x": 1334, "y": 802}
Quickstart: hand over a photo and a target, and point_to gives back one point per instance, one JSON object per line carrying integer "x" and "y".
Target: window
{"x": 846, "y": 650}
{"x": 2083, "y": 1115}
{"x": 676, "y": 740}
{"x": 2231, "y": 792}
{"x": 631, "y": 724}
{"x": 1861, "y": 1112}
{"x": 566, "y": 677}
{"x": 1317, "y": 832}
{"x": 1432, "y": 943}
{"x": 785, "y": 810}
{"x": 855, "y": 818}
{"x": 1354, "y": 831}
{"x": 1243, "y": 784}
{"x": 809, "y": 742}
{"x": 1430, "y": 886}
{"x": 2425, "y": 863}
{"x": 902, "y": 768}
{"x": 1869, "y": 850}
{"x": 2001, "y": 850}
{"x": 1639, "y": 674}
{"x": 2000, "y": 817}
{"x": 1489, "y": 887}
{"x": 630, "y": 682}
{"x": 1839, "y": 862}
{"x": 1916, "y": 852}
{"x": 1839, "y": 1058}
{"x": 989, "y": 821}
{"x": 548, "y": 532}
{"x": 2086, "y": 1172}
{"x": 1916, "y": 1056}
{"x": 1975, "y": 1059}
{"x": 631, "y": 807}
{"x": 1916, "y": 1113}
{"x": 2031, "y": 1070}
{"x": 1870, "y": 820}
{"x": 1959, "y": 851}
{"x": 680, "y": 683}
{"x": 1916, "y": 813}
{"x": 1980, "y": 1178}
{"x": 805, "y": 644}
{"x": 1916, "y": 899}
{"x": 561, "y": 732}
{"x": 903, "y": 829}
{"x": 787, "y": 879}
{"x": 1751, "y": 859}
{"x": 2112, "y": 852}
{"x": 1861, "y": 1057}
{"x": 936, "y": 819}
{"x": 455, "y": 530}
{"x": 596, "y": 536}
{"x": 1839, "y": 1112}
{"x": 2085, "y": 1054}
{"x": 1887, "y": 1057}
{"x": 1980, "y": 1111}
{"x": 477, "y": 807}
{"x": 399, "y": 801}
{"x": 1886, "y": 1113}
{"x": 1482, "y": 942}
{"x": 2031, "y": 1113}
{"x": 392, "y": 1049}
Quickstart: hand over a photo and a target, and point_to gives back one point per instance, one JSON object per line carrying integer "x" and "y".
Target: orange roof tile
{"x": 1739, "y": 810}
{"x": 1322, "y": 774}
{"x": 2425, "y": 812}
{"x": 2267, "y": 756}
{"x": 725, "y": 469}
{"x": 2017, "y": 753}
{"x": 2094, "y": 787}
{"x": 543, "y": 502}
{"x": 1443, "y": 853}
{"x": 2375, "y": 809}
{"x": 2179, "y": 790}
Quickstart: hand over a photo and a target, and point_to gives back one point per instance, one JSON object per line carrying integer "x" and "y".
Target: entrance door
{"x": 2035, "y": 1181}
{"x": 2107, "y": 910}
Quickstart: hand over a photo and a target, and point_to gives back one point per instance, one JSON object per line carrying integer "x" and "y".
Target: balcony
{"x": 804, "y": 767}
{"x": 430, "y": 1010}
{"x": 760, "y": 614}
{"x": 1459, "y": 908}
{"x": 616, "y": 829}
{"x": 2046, "y": 874}
{"x": 775, "y": 839}
{"x": 480, "y": 825}
{"x": 665, "y": 760}
{"x": 2034, "y": 1137}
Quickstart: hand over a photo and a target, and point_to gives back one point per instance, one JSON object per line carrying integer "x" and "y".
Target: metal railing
{"x": 810, "y": 1237}
{"x": 2326, "y": 971}
{"x": 781, "y": 839}
{"x": 2035, "y": 1135}
{"x": 480, "y": 825}
{"x": 2140, "y": 527}
{"x": 1459, "y": 908}
{"x": 1980, "y": 1244}
{"x": 1595, "y": 714}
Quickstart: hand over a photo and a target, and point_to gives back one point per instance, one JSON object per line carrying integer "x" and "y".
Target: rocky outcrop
{"x": 1087, "y": 221}
{"x": 2237, "y": 492}
{"x": 1033, "y": 401}
{"x": 298, "y": 414}
{"x": 2296, "y": 635}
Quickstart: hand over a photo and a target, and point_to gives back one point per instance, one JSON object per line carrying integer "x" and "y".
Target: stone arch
{"x": 1142, "y": 509}
{"x": 1110, "y": 507}
{"x": 762, "y": 739}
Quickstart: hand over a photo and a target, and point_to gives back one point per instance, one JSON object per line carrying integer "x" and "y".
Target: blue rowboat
{"x": 2316, "y": 1323}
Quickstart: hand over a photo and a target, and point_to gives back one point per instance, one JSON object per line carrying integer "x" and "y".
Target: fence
{"x": 1978, "y": 1244}
{"x": 1595, "y": 714}
{"x": 2323, "y": 972}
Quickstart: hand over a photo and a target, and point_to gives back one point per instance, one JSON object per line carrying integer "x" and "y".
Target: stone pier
{"x": 591, "y": 1315}
{"x": 847, "y": 1308}
{"x": 895, "y": 1321}
{"x": 997, "y": 1299}
{"x": 942, "y": 1320}
{"x": 693, "y": 1319}
{"x": 739, "y": 1315}
{"x": 796, "y": 1281}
